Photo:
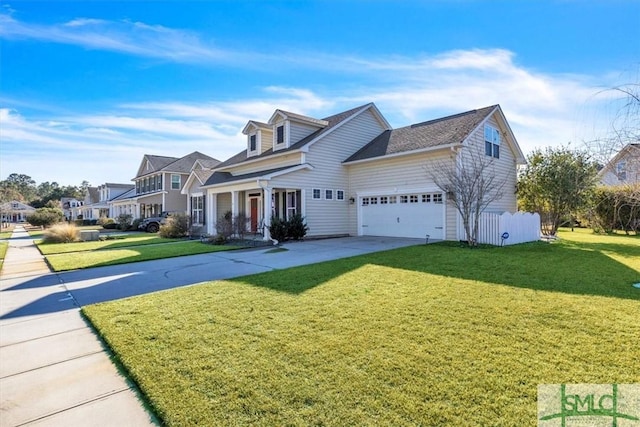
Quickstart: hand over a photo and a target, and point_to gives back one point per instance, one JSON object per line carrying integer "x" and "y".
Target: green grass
{"x": 133, "y": 240}
{"x": 425, "y": 335}
{"x": 104, "y": 257}
{"x": 3, "y": 251}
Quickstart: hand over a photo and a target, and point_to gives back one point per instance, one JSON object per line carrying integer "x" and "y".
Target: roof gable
{"x": 280, "y": 115}
{"x": 333, "y": 122}
{"x": 152, "y": 163}
{"x": 425, "y": 135}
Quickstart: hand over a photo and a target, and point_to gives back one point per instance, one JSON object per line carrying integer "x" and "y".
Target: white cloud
{"x": 543, "y": 109}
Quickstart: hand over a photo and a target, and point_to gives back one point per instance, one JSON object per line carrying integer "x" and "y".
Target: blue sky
{"x": 87, "y": 88}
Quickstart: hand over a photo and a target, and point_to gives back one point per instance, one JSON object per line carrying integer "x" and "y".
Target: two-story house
{"x": 623, "y": 168}
{"x": 352, "y": 174}
{"x": 158, "y": 186}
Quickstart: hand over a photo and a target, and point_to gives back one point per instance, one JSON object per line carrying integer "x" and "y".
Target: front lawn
{"x": 142, "y": 252}
{"x": 132, "y": 240}
{"x": 3, "y": 251}
{"x": 425, "y": 335}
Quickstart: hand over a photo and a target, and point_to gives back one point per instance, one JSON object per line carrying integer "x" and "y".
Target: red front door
{"x": 254, "y": 214}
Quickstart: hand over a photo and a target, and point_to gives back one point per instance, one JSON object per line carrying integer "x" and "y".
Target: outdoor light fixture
{"x": 352, "y": 200}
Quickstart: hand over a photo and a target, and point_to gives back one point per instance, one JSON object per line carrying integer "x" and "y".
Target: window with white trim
{"x": 339, "y": 194}
{"x": 374, "y": 200}
{"x": 393, "y": 199}
{"x": 316, "y": 194}
{"x": 384, "y": 200}
{"x": 328, "y": 194}
{"x": 437, "y": 198}
{"x": 404, "y": 199}
{"x": 365, "y": 201}
{"x": 426, "y": 198}
{"x": 197, "y": 210}
{"x": 292, "y": 204}
{"x": 413, "y": 198}
{"x": 621, "y": 171}
{"x": 253, "y": 142}
{"x": 491, "y": 141}
{"x": 175, "y": 181}
{"x": 280, "y": 134}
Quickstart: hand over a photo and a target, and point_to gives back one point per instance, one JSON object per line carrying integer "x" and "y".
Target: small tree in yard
{"x": 124, "y": 221}
{"x": 471, "y": 185}
{"x": 176, "y": 225}
{"x": 45, "y": 217}
{"x": 557, "y": 183}
{"x": 224, "y": 226}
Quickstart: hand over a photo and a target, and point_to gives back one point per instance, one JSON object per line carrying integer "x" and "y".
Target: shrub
{"x": 240, "y": 222}
{"x": 176, "y": 225}
{"x": 617, "y": 208}
{"x": 103, "y": 220}
{"x": 217, "y": 240}
{"x": 224, "y": 225}
{"x": 278, "y": 229}
{"x": 296, "y": 228}
{"x": 62, "y": 233}
{"x": 134, "y": 225}
{"x": 124, "y": 221}
{"x": 46, "y": 217}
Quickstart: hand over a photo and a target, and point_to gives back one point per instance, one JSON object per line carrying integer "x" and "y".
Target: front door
{"x": 253, "y": 208}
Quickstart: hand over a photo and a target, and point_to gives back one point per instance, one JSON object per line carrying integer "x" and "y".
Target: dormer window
{"x": 280, "y": 134}
{"x": 252, "y": 143}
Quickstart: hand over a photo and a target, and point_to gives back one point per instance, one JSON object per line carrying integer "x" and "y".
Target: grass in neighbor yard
{"x": 424, "y": 335}
{"x": 132, "y": 240}
{"x": 3, "y": 251}
{"x": 101, "y": 258}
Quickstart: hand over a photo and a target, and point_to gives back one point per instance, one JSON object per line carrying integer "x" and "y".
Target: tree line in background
{"x": 22, "y": 188}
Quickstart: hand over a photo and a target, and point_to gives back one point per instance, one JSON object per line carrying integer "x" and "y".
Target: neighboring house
{"x": 158, "y": 186}
{"x": 352, "y": 174}
{"x": 105, "y": 193}
{"x": 196, "y": 202}
{"x": 70, "y": 207}
{"x": 623, "y": 168}
{"x": 89, "y": 209}
{"x": 15, "y": 211}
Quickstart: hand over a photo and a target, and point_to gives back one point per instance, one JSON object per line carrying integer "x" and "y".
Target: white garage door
{"x": 403, "y": 215}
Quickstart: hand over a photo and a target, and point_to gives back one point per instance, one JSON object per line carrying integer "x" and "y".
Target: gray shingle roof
{"x": 333, "y": 121}
{"x": 226, "y": 177}
{"x": 442, "y": 131}
{"x": 126, "y": 195}
{"x": 184, "y": 164}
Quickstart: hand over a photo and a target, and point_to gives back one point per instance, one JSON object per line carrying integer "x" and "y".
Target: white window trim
{"x": 343, "y": 195}
{"x": 332, "y": 194}
{"x": 258, "y": 135}
{"x": 313, "y": 197}
{"x": 179, "y": 181}
{"x": 285, "y": 135}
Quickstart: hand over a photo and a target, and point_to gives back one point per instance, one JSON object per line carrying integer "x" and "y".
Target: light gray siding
{"x": 292, "y": 159}
{"x": 223, "y": 205}
{"x": 330, "y": 217}
{"x": 298, "y": 131}
{"x": 398, "y": 175}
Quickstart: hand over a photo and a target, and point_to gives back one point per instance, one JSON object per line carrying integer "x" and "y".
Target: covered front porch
{"x": 257, "y": 204}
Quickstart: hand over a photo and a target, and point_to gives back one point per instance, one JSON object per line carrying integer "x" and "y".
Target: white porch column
{"x": 212, "y": 212}
{"x": 234, "y": 203}
{"x": 266, "y": 204}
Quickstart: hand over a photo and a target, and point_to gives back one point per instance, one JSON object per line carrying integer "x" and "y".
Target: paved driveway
{"x": 89, "y": 286}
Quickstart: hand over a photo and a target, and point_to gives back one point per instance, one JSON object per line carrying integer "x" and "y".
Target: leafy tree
{"x": 45, "y": 217}
{"x": 22, "y": 184}
{"x": 557, "y": 183}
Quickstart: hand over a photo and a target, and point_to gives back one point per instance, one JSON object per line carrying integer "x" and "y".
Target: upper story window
{"x": 491, "y": 141}
{"x": 175, "y": 182}
{"x": 621, "y": 170}
{"x": 253, "y": 142}
{"x": 280, "y": 134}
{"x": 317, "y": 194}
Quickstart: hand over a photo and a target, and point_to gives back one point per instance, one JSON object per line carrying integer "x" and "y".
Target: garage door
{"x": 403, "y": 215}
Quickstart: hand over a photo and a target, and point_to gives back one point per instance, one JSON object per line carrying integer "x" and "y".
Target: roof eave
{"x": 404, "y": 153}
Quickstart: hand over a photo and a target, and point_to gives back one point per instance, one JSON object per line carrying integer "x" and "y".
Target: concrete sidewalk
{"x": 53, "y": 369}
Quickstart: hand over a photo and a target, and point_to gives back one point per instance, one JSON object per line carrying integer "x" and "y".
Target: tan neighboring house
{"x": 15, "y": 211}
{"x": 623, "y": 168}
{"x": 352, "y": 174}
{"x": 158, "y": 186}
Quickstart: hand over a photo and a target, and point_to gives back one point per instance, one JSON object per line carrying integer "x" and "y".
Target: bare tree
{"x": 624, "y": 125}
{"x": 471, "y": 184}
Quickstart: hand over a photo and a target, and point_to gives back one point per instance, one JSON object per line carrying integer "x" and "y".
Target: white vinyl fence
{"x": 516, "y": 228}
